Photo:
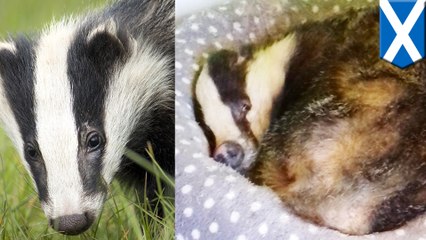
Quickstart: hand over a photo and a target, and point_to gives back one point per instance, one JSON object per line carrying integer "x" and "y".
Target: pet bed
{"x": 212, "y": 200}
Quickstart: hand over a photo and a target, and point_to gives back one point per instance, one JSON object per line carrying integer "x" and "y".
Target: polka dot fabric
{"x": 213, "y": 201}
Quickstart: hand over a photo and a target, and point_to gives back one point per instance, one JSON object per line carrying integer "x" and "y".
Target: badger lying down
{"x": 74, "y": 98}
{"x": 340, "y": 133}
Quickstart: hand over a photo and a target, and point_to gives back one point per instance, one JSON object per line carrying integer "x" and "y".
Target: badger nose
{"x": 229, "y": 153}
{"x": 72, "y": 224}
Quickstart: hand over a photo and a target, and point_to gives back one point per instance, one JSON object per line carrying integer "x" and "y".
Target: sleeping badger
{"x": 342, "y": 140}
{"x": 242, "y": 87}
{"x": 73, "y": 99}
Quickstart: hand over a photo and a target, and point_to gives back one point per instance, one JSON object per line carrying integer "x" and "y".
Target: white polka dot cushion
{"x": 212, "y": 200}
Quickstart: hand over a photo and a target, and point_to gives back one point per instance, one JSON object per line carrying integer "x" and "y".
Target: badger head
{"x": 234, "y": 96}
{"x": 69, "y": 101}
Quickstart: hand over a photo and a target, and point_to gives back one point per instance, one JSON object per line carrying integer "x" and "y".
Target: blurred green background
{"x": 20, "y": 214}
{"x": 32, "y": 15}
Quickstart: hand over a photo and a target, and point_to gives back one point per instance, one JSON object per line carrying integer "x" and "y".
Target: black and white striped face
{"x": 69, "y": 102}
{"x": 235, "y": 93}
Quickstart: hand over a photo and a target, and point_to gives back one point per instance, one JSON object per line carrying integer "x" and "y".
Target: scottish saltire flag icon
{"x": 402, "y": 31}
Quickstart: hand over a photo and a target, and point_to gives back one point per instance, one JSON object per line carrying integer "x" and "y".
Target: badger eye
{"x": 245, "y": 107}
{"x": 94, "y": 141}
{"x": 32, "y": 152}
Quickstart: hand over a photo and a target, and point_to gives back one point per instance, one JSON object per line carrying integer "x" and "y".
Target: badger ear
{"x": 247, "y": 51}
{"x": 222, "y": 61}
{"x": 107, "y": 43}
{"x": 7, "y": 57}
{"x": 7, "y": 46}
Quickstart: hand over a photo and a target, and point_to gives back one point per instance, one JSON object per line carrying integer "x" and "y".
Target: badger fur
{"x": 345, "y": 146}
{"x": 75, "y": 97}
{"x": 234, "y": 97}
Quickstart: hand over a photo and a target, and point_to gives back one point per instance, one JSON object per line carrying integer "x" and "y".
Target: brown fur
{"x": 347, "y": 148}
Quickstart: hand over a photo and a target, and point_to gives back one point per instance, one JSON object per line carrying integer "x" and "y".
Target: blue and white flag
{"x": 402, "y": 31}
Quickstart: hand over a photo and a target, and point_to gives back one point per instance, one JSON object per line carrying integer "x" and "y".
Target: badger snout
{"x": 70, "y": 213}
{"x": 229, "y": 153}
{"x": 72, "y": 224}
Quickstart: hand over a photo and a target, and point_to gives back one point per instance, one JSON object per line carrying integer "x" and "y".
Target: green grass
{"x": 123, "y": 216}
{"x": 32, "y": 15}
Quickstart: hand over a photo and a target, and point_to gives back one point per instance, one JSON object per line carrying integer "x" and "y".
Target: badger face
{"x": 235, "y": 93}
{"x": 224, "y": 105}
{"x": 69, "y": 102}
{"x": 348, "y": 151}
